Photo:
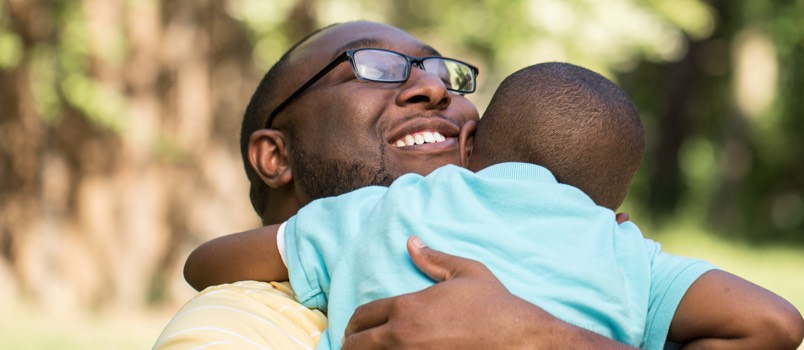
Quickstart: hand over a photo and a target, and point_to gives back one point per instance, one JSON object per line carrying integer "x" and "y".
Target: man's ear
{"x": 466, "y": 141}
{"x": 268, "y": 155}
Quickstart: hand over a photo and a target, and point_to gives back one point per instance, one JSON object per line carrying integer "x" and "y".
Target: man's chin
{"x": 328, "y": 178}
{"x": 320, "y": 177}
{"x": 422, "y": 163}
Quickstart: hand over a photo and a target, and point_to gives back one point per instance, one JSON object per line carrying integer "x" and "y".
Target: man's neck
{"x": 281, "y": 205}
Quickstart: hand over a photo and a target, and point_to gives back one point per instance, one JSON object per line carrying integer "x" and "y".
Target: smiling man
{"x": 314, "y": 129}
{"x": 318, "y": 126}
{"x": 340, "y": 133}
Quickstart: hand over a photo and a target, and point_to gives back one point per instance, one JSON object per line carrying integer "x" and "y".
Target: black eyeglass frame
{"x": 349, "y": 55}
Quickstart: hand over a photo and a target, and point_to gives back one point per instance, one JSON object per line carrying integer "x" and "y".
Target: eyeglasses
{"x": 385, "y": 66}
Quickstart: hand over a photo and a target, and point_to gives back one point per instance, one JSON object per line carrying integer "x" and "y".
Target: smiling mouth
{"x": 419, "y": 138}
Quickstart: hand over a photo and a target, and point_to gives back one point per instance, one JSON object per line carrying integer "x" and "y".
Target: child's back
{"x": 546, "y": 241}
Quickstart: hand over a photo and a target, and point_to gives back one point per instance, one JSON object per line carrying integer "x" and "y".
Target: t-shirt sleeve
{"x": 280, "y": 243}
{"x": 319, "y": 235}
{"x": 671, "y": 277}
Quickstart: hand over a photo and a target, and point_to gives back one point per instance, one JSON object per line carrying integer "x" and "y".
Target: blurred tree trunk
{"x": 100, "y": 207}
{"x": 693, "y": 93}
{"x": 675, "y": 125}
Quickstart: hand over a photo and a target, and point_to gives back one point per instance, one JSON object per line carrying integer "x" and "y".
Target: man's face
{"x": 346, "y": 132}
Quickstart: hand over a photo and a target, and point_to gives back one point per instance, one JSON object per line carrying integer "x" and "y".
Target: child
{"x": 550, "y": 238}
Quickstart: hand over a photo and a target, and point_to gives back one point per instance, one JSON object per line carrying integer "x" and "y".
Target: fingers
{"x": 441, "y": 266}
{"x": 368, "y": 316}
{"x": 434, "y": 264}
{"x": 622, "y": 217}
{"x": 368, "y": 339}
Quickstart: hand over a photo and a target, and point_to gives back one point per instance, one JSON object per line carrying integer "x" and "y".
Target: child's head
{"x": 572, "y": 121}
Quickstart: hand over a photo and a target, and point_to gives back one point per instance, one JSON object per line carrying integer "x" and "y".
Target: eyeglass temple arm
{"x": 304, "y": 87}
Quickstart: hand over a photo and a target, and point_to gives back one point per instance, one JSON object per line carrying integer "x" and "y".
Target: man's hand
{"x": 468, "y": 309}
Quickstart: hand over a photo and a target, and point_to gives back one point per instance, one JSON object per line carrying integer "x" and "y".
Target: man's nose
{"x": 424, "y": 88}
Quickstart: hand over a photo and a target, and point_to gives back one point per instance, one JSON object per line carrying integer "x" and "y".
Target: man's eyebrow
{"x": 379, "y": 43}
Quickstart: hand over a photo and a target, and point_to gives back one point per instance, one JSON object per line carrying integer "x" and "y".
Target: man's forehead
{"x": 335, "y": 40}
{"x": 383, "y": 43}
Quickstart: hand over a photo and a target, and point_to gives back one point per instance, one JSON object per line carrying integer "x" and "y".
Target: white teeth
{"x": 428, "y": 137}
{"x": 419, "y": 139}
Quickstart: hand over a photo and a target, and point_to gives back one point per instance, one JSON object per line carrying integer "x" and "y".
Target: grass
{"x": 22, "y": 327}
{"x": 777, "y": 268}
{"x": 26, "y": 327}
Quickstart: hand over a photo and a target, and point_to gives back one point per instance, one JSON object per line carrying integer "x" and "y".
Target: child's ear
{"x": 466, "y": 141}
{"x": 268, "y": 156}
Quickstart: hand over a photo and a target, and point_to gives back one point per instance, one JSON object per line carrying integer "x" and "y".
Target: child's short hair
{"x": 571, "y": 120}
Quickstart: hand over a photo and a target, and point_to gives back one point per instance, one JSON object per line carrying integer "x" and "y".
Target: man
{"x": 334, "y": 135}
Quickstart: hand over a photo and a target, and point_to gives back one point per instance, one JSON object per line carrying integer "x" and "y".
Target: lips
{"x": 424, "y": 132}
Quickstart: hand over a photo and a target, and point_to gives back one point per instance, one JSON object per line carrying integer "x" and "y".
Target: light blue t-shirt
{"x": 548, "y": 243}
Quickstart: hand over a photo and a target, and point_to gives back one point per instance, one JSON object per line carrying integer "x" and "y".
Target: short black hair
{"x": 569, "y": 119}
{"x": 260, "y": 105}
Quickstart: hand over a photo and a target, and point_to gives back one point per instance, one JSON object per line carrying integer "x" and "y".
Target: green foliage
{"x": 44, "y": 84}
{"x": 263, "y": 20}
{"x": 772, "y": 190}
{"x": 61, "y": 68}
{"x": 730, "y": 159}
{"x": 10, "y": 43}
{"x": 709, "y": 158}
{"x": 10, "y": 49}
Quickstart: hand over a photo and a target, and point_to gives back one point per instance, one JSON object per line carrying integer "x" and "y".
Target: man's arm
{"x": 249, "y": 255}
{"x": 723, "y": 311}
{"x": 468, "y": 309}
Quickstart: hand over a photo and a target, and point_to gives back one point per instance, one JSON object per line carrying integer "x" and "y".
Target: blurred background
{"x": 119, "y": 126}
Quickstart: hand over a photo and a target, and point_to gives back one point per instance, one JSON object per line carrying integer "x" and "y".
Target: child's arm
{"x": 249, "y": 255}
{"x": 723, "y": 311}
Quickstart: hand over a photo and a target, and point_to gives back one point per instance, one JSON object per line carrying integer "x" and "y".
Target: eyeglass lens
{"x": 387, "y": 66}
{"x": 457, "y": 76}
{"x": 380, "y": 65}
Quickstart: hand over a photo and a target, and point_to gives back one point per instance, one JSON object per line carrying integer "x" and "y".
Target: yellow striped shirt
{"x": 243, "y": 315}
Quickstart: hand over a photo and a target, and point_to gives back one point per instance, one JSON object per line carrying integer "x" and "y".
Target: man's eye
{"x": 369, "y": 72}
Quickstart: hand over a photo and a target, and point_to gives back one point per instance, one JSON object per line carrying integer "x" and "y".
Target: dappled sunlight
{"x": 119, "y": 126}
{"x": 756, "y": 71}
